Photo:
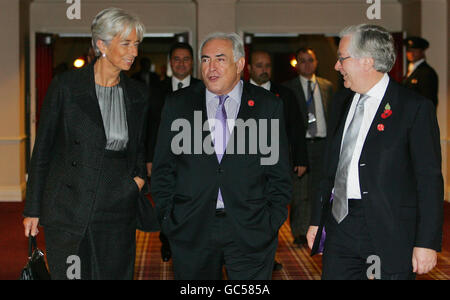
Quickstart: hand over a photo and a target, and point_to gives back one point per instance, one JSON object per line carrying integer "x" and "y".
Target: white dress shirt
{"x": 320, "y": 115}
{"x": 232, "y": 105}
{"x": 376, "y": 94}
{"x": 186, "y": 81}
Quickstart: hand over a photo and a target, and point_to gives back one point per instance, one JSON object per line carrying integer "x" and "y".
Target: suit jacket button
{"x": 77, "y": 142}
{"x": 74, "y": 164}
{"x": 69, "y": 185}
{"x": 220, "y": 170}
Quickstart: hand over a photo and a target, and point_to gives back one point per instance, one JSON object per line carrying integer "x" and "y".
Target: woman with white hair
{"x": 87, "y": 170}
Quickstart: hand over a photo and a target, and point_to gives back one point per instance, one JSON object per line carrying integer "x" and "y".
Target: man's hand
{"x": 139, "y": 182}
{"x": 311, "y": 235}
{"x": 300, "y": 170}
{"x": 31, "y": 225}
{"x": 423, "y": 260}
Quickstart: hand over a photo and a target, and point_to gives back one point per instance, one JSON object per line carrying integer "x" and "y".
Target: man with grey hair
{"x": 381, "y": 192}
{"x": 224, "y": 207}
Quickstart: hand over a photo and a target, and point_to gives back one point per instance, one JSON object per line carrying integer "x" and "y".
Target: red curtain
{"x": 44, "y": 69}
{"x": 397, "y": 71}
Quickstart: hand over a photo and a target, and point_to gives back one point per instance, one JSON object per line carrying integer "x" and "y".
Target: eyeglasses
{"x": 341, "y": 59}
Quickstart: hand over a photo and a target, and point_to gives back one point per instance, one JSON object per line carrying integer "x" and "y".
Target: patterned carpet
{"x": 296, "y": 261}
{"x": 297, "y": 264}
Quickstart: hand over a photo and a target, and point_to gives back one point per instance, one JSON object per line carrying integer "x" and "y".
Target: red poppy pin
{"x": 251, "y": 103}
{"x": 387, "y": 112}
{"x": 278, "y": 95}
{"x": 380, "y": 127}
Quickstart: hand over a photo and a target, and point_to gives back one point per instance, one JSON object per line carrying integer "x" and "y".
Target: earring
{"x": 104, "y": 55}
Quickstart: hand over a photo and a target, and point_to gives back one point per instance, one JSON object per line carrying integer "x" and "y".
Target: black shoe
{"x": 277, "y": 266}
{"x": 166, "y": 254}
{"x": 300, "y": 240}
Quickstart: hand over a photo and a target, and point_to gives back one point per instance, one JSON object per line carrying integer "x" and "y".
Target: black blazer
{"x": 424, "y": 80}
{"x": 185, "y": 186}
{"x": 295, "y": 128}
{"x": 399, "y": 173}
{"x": 157, "y": 96}
{"x": 67, "y": 156}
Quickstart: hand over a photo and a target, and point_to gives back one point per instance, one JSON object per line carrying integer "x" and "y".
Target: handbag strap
{"x": 31, "y": 245}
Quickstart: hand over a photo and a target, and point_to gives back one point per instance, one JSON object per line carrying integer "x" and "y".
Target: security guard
{"x": 420, "y": 77}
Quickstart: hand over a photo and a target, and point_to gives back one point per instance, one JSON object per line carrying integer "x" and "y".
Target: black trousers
{"x": 191, "y": 262}
{"x": 349, "y": 253}
{"x": 305, "y": 187}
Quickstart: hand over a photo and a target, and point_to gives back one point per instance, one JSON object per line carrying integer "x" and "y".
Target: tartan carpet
{"x": 297, "y": 264}
{"x": 296, "y": 261}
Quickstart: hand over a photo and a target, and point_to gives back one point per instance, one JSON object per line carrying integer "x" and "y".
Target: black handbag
{"x": 35, "y": 268}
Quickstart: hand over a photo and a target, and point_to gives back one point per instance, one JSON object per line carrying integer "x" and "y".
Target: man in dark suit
{"x": 181, "y": 58}
{"x": 222, "y": 207}
{"x": 382, "y": 170}
{"x": 260, "y": 70}
{"x": 313, "y": 96}
{"x": 421, "y": 77}
{"x": 181, "y": 61}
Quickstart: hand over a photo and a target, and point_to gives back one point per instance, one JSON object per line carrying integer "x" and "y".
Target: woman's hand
{"x": 139, "y": 182}
{"x": 31, "y": 225}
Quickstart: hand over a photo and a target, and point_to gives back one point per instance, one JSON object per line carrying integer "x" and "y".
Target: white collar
{"x": 266, "y": 85}
{"x": 235, "y": 94}
{"x": 379, "y": 89}
{"x": 186, "y": 81}
{"x": 305, "y": 80}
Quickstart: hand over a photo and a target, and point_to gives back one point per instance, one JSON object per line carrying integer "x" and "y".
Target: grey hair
{"x": 112, "y": 21}
{"x": 234, "y": 38}
{"x": 371, "y": 41}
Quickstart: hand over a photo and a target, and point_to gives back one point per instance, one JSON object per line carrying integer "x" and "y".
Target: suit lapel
{"x": 414, "y": 73}
{"x": 130, "y": 95}
{"x": 274, "y": 89}
{"x": 244, "y": 109}
{"x": 301, "y": 99}
{"x": 390, "y": 96}
{"x": 339, "y": 129}
{"x": 199, "y": 105}
{"x": 323, "y": 95}
{"x": 245, "y": 112}
{"x": 86, "y": 97}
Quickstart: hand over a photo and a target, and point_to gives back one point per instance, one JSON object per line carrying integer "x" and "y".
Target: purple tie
{"x": 221, "y": 136}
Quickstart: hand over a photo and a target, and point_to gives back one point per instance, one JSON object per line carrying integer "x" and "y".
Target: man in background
{"x": 420, "y": 76}
{"x": 260, "y": 69}
{"x": 313, "y": 96}
{"x": 181, "y": 62}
